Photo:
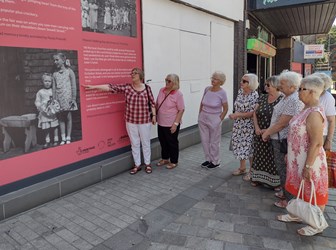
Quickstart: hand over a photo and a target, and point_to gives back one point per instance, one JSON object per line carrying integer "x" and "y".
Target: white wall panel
{"x": 191, "y": 43}
{"x": 229, "y": 8}
{"x": 222, "y": 53}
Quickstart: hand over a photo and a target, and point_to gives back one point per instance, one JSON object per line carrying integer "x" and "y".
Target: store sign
{"x": 313, "y": 51}
{"x": 259, "y": 47}
{"x": 262, "y": 34}
{"x": 264, "y": 4}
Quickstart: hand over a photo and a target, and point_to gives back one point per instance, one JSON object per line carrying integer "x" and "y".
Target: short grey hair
{"x": 175, "y": 79}
{"x": 274, "y": 81}
{"x": 313, "y": 82}
{"x": 220, "y": 75}
{"x": 253, "y": 81}
{"x": 292, "y": 78}
{"x": 326, "y": 79}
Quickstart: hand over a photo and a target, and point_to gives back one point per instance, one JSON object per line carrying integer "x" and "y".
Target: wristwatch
{"x": 176, "y": 123}
{"x": 308, "y": 166}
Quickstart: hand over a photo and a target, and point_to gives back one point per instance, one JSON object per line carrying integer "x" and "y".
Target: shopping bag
{"x": 309, "y": 213}
{"x": 331, "y": 161}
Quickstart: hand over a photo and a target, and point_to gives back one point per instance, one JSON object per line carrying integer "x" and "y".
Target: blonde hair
{"x": 175, "y": 79}
{"x": 221, "y": 76}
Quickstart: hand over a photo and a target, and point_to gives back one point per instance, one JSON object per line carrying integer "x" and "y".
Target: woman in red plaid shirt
{"x": 137, "y": 116}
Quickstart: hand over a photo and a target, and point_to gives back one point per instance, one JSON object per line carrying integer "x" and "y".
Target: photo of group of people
{"x": 116, "y": 17}
{"x": 39, "y": 104}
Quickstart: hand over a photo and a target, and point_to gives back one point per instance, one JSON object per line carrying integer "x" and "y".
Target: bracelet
{"x": 308, "y": 166}
{"x": 176, "y": 123}
{"x": 329, "y": 139}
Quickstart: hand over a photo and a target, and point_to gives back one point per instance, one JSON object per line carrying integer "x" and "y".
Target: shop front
{"x": 260, "y": 51}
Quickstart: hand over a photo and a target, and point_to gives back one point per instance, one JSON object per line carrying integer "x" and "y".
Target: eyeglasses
{"x": 214, "y": 79}
{"x": 168, "y": 81}
{"x": 245, "y": 81}
{"x": 134, "y": 73}
{"x": 301, "y": 89}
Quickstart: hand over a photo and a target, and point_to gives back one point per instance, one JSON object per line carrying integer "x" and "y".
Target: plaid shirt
{"x": 137, "y": 110}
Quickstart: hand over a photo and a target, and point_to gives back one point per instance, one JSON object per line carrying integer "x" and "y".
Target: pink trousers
{"x": 210, "y": 126}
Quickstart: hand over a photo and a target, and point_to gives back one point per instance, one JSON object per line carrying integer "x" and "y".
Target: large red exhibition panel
{"x": 101, "y": 41}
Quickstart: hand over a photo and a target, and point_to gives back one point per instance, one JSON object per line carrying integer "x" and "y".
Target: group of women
{"x": 284, "y": 134}
{"x": 290, "y": 112}
{"x": 142, "y": 111}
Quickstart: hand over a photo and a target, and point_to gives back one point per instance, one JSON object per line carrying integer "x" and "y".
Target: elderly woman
{"x": 137, "y": 116}
{"x": 213, "y": 109}
{"x": 289, "y": 106}
{"x": 263, "y": 166}
{"x": 169, "y": 109}
{"x": 306, "y": 156}
{"x": 327, "y": 101}
{"x": 243, "y": 128}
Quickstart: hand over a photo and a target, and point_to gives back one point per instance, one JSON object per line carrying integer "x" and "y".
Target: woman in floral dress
{"x": 263, "y": 168}
{"x": 306, "y": 157}
{"x": 243, "y": 129}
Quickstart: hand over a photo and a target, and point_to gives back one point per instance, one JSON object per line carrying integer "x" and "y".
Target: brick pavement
{"x": 185, "y": 208}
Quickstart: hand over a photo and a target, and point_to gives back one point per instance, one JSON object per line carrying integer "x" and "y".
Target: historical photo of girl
{"x": 39, "y": 100}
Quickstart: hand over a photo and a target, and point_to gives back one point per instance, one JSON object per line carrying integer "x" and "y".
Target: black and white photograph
{"x": 39, "y": 100}
{"x": 116, "y": 17}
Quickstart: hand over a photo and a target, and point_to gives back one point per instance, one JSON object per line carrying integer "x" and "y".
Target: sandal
{"x": 171, "y": 165}
{"x": 288, "y": 218}
{"x": 281, "y": 204}
{"x": 309, "y": 231}
{"x": 255, "y": 184}
{"x": 135, "y": 170}
{"x": 239, "y": 172}
{"x": 280, "y": 195}
{"x": 148, "y": 169}
{"x": 247, "y": 177}
{"x": 162, "y": 162}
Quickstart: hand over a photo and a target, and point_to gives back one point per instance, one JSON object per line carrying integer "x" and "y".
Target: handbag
{"x": 283, "y": 145}
{"x": 331, "y": 162}
{"x": 149, "y": 104}
{"x": 309, "y": 213}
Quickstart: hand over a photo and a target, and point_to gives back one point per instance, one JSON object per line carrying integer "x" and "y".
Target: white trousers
{"x": 140, "y": 133}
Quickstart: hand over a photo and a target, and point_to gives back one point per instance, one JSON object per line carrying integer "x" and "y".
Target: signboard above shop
{"x": 265, "y": 4}
{"x": 259, "y": 47}
{"x": 313, "y": 51}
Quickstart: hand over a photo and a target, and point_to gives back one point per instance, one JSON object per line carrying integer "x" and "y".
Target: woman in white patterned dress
{"x": 243, "y": 129}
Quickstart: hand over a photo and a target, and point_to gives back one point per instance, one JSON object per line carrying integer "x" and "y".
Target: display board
{"x": 48, "y": 50}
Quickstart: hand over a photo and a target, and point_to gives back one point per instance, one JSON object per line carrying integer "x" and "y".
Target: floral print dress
{"x": 243, "y": 128}
{"x": 298, "y": 144}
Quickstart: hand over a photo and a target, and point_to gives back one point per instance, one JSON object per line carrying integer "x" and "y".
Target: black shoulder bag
{"x": 148, "y": 103}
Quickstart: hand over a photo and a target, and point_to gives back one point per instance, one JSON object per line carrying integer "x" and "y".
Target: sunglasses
{"x": 168, "y": 81}
{"x": 301, "y": 89}
{"x": 245, "y": 81}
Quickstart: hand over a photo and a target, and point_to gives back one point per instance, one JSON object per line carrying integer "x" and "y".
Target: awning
{"x": 295, "y": 17}
{"x": 260, "y": 47}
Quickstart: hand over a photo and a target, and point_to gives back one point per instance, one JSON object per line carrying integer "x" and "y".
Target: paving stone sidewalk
{"x": 185, "y": 208}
